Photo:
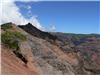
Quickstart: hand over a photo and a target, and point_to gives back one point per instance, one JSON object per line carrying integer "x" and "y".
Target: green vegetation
{"x": 6, "y": 26}
{"x": 11, "y": 39}
{"x": 83, "y": 36}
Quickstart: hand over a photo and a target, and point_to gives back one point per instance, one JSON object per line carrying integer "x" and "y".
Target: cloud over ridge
{"x": 10, "y": 13}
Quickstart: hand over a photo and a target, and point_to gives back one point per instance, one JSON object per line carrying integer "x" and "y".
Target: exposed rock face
{"x": 12, "y": 65}
{"x": 36, "y": 32}
{"x": 46, "y": 53}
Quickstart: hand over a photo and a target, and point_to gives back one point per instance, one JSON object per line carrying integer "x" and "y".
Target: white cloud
{"x": 55, "y": 0}
{"x": 10, "y": 13}
{"x": 29, "y": 13}
{"x": 29, "y": 7}
{"x": 52, "y": 28}
{"x": 29, "y": 0}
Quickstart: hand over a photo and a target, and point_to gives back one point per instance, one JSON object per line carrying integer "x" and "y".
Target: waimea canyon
{"x": 26, "y": 50}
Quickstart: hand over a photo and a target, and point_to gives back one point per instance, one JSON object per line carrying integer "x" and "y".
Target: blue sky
{"x": 66, "y": 16}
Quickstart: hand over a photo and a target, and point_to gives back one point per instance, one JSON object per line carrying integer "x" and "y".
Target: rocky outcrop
{"x": 36, "y": 32}
{"x": 12, "y": 65}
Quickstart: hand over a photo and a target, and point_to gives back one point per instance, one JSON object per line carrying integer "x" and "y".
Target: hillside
{"x": 27, "y": 50}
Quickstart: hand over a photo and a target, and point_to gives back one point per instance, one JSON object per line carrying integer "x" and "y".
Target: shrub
{"x": 19, "y": 36}
{"x": 6, "y": 26}
{"x": 11, "y": 39}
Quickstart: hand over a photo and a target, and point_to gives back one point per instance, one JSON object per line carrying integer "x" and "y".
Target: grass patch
{"x": 11, "y": 39}
{"x": 6, "y": 26}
